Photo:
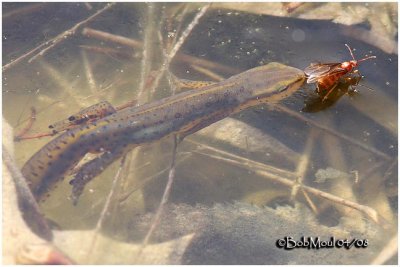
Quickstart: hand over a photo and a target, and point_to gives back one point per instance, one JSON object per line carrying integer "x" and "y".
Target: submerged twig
{"x": 187, "y": 31}
{"x": 46, "y": 46}
{"x": 30, "y": 98}
{"x": 38, "y": 112}
{"x": 368, "y": 171}
{"x": 164, "y": 67}
{"x": 111, "y": 52}
{"x": 167, "y": 191}
{"x": 23, "y": 132}
{"x": 148, "y": 51}
{"x": 177, "y": 46}
{"x": 68, "y": 33}
{"x": 128, "y": 104}
{"x": 226, "y": 156}
{"x": 389, "y": 170}
{"x": 23, "y": 11}
{"x": 333, "y": 132}
{"x": 309, "y": 201}
{"x": 389, "y": 251}
{"x": 62, "y": 82}
{"x": 103, "y": 90}
{"x": 106, "y": 205}
{"x": 342, "y": 187}
{"x": 33, "y": 136}
{"x": 303, "y": 162}
{"x": 88, "y": 6}
{"x": 89, "y": 75}
{"x": 368, "y": 211}
{"x": 146, "y": 75}
{"x": 179, "y": 20}
{"x": 108, "y": 37}
{"x": 281, "y": 176}
{"x": 147, "y": 179}
{"x": 207, "y": 72}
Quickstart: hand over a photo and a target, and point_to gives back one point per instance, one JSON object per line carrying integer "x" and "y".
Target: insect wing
{"x": 316, "y": 67}
{"x": 318, "y": 70}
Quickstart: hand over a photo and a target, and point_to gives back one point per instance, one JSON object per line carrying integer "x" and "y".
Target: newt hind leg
{"x": 183, "y": 84}
{"x": 91, "y": 169}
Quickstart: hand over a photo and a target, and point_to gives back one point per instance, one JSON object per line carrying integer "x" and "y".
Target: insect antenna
{"x": 351, "y": 52}
{"x": 366, "y": 58}
{"x": 352, "y": 55}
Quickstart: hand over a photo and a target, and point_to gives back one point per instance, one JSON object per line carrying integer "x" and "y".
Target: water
{"x": 358, "y": 139}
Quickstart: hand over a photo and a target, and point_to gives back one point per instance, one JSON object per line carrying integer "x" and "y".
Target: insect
{"x": 327, "y": 75}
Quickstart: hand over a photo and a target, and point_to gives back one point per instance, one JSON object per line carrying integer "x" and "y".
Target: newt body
{"x": 181, "y": 114}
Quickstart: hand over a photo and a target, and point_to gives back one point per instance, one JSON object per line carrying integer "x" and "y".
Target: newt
{"x": 181, "y": 115}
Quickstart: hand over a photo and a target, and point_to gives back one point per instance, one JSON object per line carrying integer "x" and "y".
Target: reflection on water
{"x": 324, "y": 99}
{"x": 258, "y": 157}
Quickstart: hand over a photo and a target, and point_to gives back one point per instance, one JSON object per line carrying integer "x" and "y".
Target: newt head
{"x": 272, "y": 82}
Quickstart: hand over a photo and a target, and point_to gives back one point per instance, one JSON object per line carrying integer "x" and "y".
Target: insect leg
{"x": 330, "y": 91}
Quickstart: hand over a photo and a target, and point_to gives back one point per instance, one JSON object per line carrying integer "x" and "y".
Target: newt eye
{"x": 71, "y": 118}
